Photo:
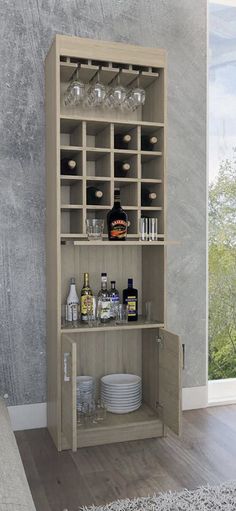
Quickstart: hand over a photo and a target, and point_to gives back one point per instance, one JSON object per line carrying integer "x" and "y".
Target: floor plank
{"x": 206, "y": 453}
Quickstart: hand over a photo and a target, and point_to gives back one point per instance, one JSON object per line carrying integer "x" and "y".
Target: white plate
{"x": 125, "y": 388}
{"x": 130, "y": 400}
{"x": 124, "y": 392}
{"x": 121, "y": 379}
{"x": 121, "y": 398}
{"x": 121, "y": 393}
{"x": 122, "y": 409}
{"x": 84, "y": 379}
{"x": 121, "y": 404}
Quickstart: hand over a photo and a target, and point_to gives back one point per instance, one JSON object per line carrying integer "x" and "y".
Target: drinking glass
{"x": 148, "y": 312}
{"x": 75, "y": 93}
{"x": 94, "y": 229}
{"x": 143, "y": 229}
{"x": 96, "y": 93}
{"x": 122, "y": 314}
{"x": 153, "y": 229}
{"x": 64, "y": 315}
{"x": 100, "y": 410}
{"x": 135, "y": 98}
{"x": 116, "y": 96}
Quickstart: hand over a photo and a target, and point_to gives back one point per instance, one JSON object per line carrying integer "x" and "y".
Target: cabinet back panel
{"x": 107, "y": 353}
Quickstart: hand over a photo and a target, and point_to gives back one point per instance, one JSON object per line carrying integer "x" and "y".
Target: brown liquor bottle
{"x": 117, "y": 220}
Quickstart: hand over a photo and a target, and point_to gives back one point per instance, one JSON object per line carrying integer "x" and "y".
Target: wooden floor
{"x": 206, "y": 453}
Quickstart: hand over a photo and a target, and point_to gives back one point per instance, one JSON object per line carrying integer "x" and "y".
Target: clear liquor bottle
{"x": 104, "y": 301}
{"x": 115, "y": 299}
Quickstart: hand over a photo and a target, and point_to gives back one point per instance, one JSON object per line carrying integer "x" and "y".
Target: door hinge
{"x": 160, "y": 341}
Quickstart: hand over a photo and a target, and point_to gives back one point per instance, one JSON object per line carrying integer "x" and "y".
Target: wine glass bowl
{"x": 119, "y": 94}
{"x": 75, "y": 93}
{"x": 96, "y": 94}
{"x": 135, "y": 98}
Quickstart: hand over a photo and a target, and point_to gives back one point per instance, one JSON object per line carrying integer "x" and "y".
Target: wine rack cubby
{"x": 88, "y": 135}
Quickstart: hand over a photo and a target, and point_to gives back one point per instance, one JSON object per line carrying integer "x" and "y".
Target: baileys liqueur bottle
{"x": 117, "y": 220}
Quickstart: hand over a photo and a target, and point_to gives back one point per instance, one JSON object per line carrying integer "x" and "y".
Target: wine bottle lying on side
{"x": 148, "y": 143}
{"x": 147, "y": 197}
{"x": 94, "y": 195}
{"x": 122, "y": 140}
{"x": 121, "y": 168}
{"x": 68, "y": 167}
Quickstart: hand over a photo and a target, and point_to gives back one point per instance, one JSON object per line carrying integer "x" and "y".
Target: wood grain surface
{"x": 206, "y": 453}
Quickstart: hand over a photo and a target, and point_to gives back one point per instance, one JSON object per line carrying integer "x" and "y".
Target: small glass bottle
{"x": 72, "y": 302}
{"x": 86, "y": 299}
{"x": 117, "y": 220}
{"x": 130, "y": 298}
{"x": 115, "y": 299}
{"x": 104, "y": 301}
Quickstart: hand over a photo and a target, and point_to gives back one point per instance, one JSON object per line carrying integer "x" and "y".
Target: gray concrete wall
{"x": 27, "y": 28}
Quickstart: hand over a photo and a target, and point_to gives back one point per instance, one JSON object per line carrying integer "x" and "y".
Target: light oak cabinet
{"x": 87, "y": 135}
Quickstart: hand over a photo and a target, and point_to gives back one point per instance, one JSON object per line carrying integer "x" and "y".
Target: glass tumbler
{"x": 153, "y": 229}
{"x": 94, "y": 229}
{"x": 122, "y": 314}
{"x": 143, "y": 229}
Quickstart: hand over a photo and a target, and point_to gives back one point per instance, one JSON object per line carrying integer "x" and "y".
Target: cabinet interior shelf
{"x": 132, "y": 325}
{"x": 72, "y": 120}
{"x": 70, "y": 238}
{"x": 115, "y": 426}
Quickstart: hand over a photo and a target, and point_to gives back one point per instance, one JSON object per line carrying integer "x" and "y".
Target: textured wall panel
{"x": 27, "y": 28}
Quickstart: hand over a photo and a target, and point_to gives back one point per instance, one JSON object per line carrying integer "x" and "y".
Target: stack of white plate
{"x": 85, "y": 391}
{"x": 122, "y": 393}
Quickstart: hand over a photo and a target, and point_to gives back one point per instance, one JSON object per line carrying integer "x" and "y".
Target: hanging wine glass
{"x": 96, "y": 93}
{"x": 75, "y": 92}
{"x": 116, "y": 95}
{"x": 135, "y": 97}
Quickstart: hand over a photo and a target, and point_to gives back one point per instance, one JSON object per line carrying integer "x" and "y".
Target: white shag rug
{"x": 205, "y": 498}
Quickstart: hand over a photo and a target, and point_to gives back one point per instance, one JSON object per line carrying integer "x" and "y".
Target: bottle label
{"x": 105, "y": 308}
{"x": 72, "y": 311}
{"x": 115, "y": 301}
{"x": 118, "y": 229}
{"x": 86, "y": 305}
{"x": 131, "y": 306}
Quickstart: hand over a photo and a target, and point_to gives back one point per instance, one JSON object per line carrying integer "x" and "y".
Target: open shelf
{"x": 143, "y": 423}
{"x": 132, "y": 325}
{"x": 77, "y": 239}
{"x": 72, "y": 120}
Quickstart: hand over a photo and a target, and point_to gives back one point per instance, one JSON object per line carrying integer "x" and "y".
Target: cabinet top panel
{"x": 109, "y": 51}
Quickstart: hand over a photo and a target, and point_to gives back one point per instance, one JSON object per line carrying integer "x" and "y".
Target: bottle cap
{"x": 113, "y": 282}
{"x": 103, "y": 274}
{"x": 130, "y": 282}
{"x": 153, "y": 140}
{"x": 72, "y": 280}
{"x": 72, "y": 164}
{"x": 152, "y": 195}
{"x": 98, "y": 194}
{"x": 117, "y": 194}
{"x": 127, "y": 138}
{"x": 126, "y": 166}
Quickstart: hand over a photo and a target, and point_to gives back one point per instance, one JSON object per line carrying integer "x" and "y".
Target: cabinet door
{"x": 68, "y": 405}
{"x": 170, "y": 386}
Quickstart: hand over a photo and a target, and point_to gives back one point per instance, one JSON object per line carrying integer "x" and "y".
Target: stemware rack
{"x": 87, "y": 135}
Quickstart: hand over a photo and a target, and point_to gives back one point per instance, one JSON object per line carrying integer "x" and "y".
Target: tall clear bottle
{"x": 72, "y": 302}
{"x": 115, "y": 299}
{"x": 104, "y": 301}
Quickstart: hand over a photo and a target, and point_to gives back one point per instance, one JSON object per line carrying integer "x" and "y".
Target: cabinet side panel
{"x": 52, "y": 244}
{"x": 153, "y": 279}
